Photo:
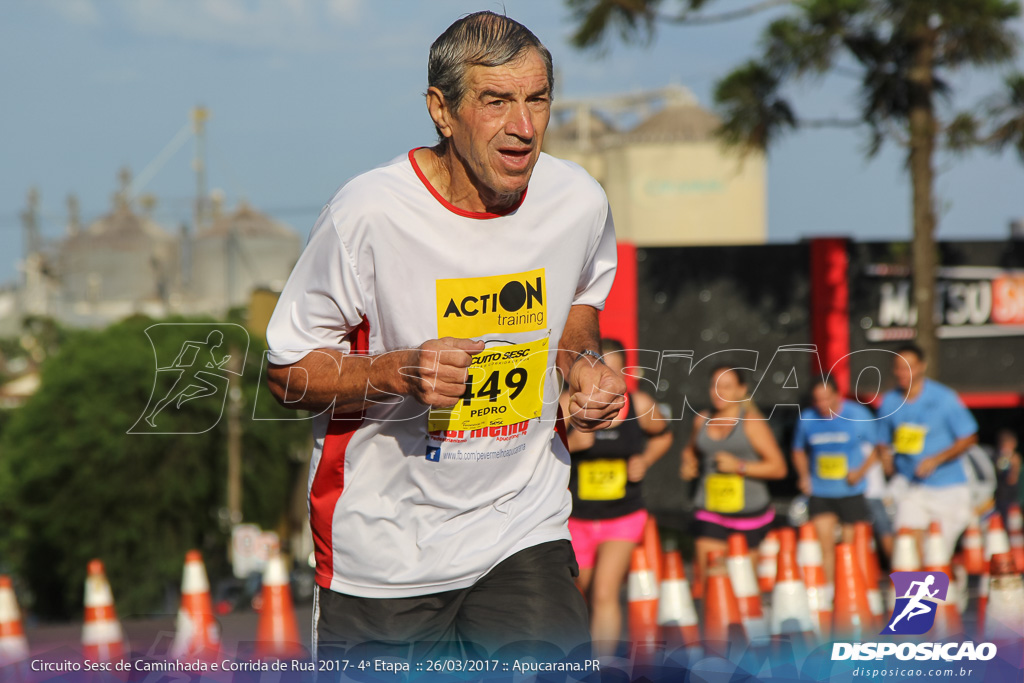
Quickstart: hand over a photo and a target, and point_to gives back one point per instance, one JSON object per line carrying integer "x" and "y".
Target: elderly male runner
{"x": 438, "y": 281}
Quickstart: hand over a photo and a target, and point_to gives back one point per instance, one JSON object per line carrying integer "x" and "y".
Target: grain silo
{"x": 120, "y": 264}
{"x": 238, "y": 253}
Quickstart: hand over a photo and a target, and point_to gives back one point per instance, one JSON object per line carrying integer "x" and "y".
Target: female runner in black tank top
{"x": 608, "y": 514}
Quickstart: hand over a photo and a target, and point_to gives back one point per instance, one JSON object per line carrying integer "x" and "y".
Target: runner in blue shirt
{"x": 833, "y": 448}
{"x": 925, "y": 428}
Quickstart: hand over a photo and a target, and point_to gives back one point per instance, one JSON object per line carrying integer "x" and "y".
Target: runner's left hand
{"x": 925, "y": 467}
{"x": 636, "y": 468}
{"x": 596, "y": 395}
{"x": 727, "y": 463}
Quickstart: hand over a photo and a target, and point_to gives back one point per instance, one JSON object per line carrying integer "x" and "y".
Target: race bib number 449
{"x": 505, "y": 386}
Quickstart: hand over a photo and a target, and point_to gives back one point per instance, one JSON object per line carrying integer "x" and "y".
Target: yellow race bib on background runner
{"x": 723, "y": 493}
{"x": 832, "y": 466}
{"x": 909, "y": 439}
{"x": 602, "y": 479}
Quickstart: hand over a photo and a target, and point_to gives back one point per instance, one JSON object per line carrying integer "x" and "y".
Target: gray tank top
{"x": 729, "y": 494}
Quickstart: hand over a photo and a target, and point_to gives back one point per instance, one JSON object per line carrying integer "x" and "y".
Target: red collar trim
{"x": 479, "y": 215}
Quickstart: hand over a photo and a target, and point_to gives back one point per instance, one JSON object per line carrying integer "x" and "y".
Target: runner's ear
{"x": 439, "y": 111}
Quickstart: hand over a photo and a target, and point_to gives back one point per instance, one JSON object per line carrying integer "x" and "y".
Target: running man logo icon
{"x": 914, "y": 612}
{"x": 198, "y": 374}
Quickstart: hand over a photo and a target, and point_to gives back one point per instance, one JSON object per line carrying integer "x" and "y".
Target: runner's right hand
{"x": 436, "y": 372}
{"x": 689, "y": 469}
{"x": 804, "y": 484}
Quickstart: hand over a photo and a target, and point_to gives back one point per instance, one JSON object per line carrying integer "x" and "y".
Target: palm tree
{"x": 900, "y": 51}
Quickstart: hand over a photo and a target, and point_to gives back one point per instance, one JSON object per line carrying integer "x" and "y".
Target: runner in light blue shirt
{"x": 926, "y": 427}
{"x": 833, "y": 448}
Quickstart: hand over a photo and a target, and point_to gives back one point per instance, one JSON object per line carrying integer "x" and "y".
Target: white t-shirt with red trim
{"x": 402, "y": 502}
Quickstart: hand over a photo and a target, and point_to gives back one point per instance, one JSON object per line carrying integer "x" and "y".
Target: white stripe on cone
{"x": 905, "y": 558}
{"x": 748, "y": 595}
{"x": 642, "y": 585}
{"x": 996, "y": 543}
{"x": 791, "y": 612}
{"x": 14, "y": 647}
{"x": 1004, "y": 618}
{"x": 767, "y": 564}
{"x": 97, "y": 591}
{"x": 675, "y": 604}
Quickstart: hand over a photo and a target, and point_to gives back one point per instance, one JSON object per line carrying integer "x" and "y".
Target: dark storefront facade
{"x": 789, "y": 312}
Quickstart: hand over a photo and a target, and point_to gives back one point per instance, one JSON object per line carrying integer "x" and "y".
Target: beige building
{"x": 668, "y": 179}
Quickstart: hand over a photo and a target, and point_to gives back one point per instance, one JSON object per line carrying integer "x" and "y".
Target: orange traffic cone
{"x": 197, "y": 636}
{"x": 867, "y": 559}
{"x": 277, "y": 635}
{"x": 745, "y": 588}
{"x": 102, "y": 638}
{"x": 652, "y": 546}
{"x": 996, "y": 543}
{"x": 677, "y": 616}
{"x": 905, "y": 558}
{"x": 1015, "y": 527}
{"x": 767, "y": 563}
{"x": 722, "y": 620}
{"x": 973, "y": 549}
{"x": 697, "y": 587}
{"x": 13, "y": 643}
{"x": 851, "y": 617}
{"x": 819, "y": 599}
{"x": 791, "y": 613}
{"x": 936, "y": 559}
{"x": 1005, "y": 617}
{"x": 642, "y": 593}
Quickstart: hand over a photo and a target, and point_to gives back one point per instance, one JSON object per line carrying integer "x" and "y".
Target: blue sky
{"x": 306, "y": 93}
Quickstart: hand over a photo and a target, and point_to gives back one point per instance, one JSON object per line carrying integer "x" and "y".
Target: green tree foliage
{"x": 75, "y": 485}
{"x": 901, "y": 52}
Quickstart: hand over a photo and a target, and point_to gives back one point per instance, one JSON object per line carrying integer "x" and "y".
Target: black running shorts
{"x": 526, "y": 605}
{"x": 848, "y": 509}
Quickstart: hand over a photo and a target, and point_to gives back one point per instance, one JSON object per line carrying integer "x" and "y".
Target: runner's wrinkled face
{"x": 726, "y": 389}
{"x": 499, "y": 126}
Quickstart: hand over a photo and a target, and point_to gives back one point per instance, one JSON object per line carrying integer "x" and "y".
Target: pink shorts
{"x": 588, "y": 534}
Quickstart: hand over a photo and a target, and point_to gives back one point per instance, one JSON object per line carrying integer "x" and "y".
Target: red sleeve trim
{"x": 329, "y": 478}
{"x": 479, "y": 215}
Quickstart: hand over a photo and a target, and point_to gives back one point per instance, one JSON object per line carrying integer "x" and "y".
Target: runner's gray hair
{"x": 479, "y": 39}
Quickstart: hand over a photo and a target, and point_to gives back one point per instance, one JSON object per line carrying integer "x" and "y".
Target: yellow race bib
{"x": 504, "y": 387}
{"x": 909, "y": 439}
{"x": 832, "y": 466}
{"x": 723, "y": 493}
{"x": 474, "y": 306}
{"x": 602, "y": 479}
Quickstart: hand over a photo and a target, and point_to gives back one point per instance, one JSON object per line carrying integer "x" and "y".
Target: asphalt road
{"x": 152, "y": 636}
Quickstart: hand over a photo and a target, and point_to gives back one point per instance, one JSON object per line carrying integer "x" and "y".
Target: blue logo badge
{"x": 916, "y": 595}
{"x": 434, "y": 453}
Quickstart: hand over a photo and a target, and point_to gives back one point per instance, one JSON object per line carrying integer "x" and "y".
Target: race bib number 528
{"x": 505, "y": 386}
